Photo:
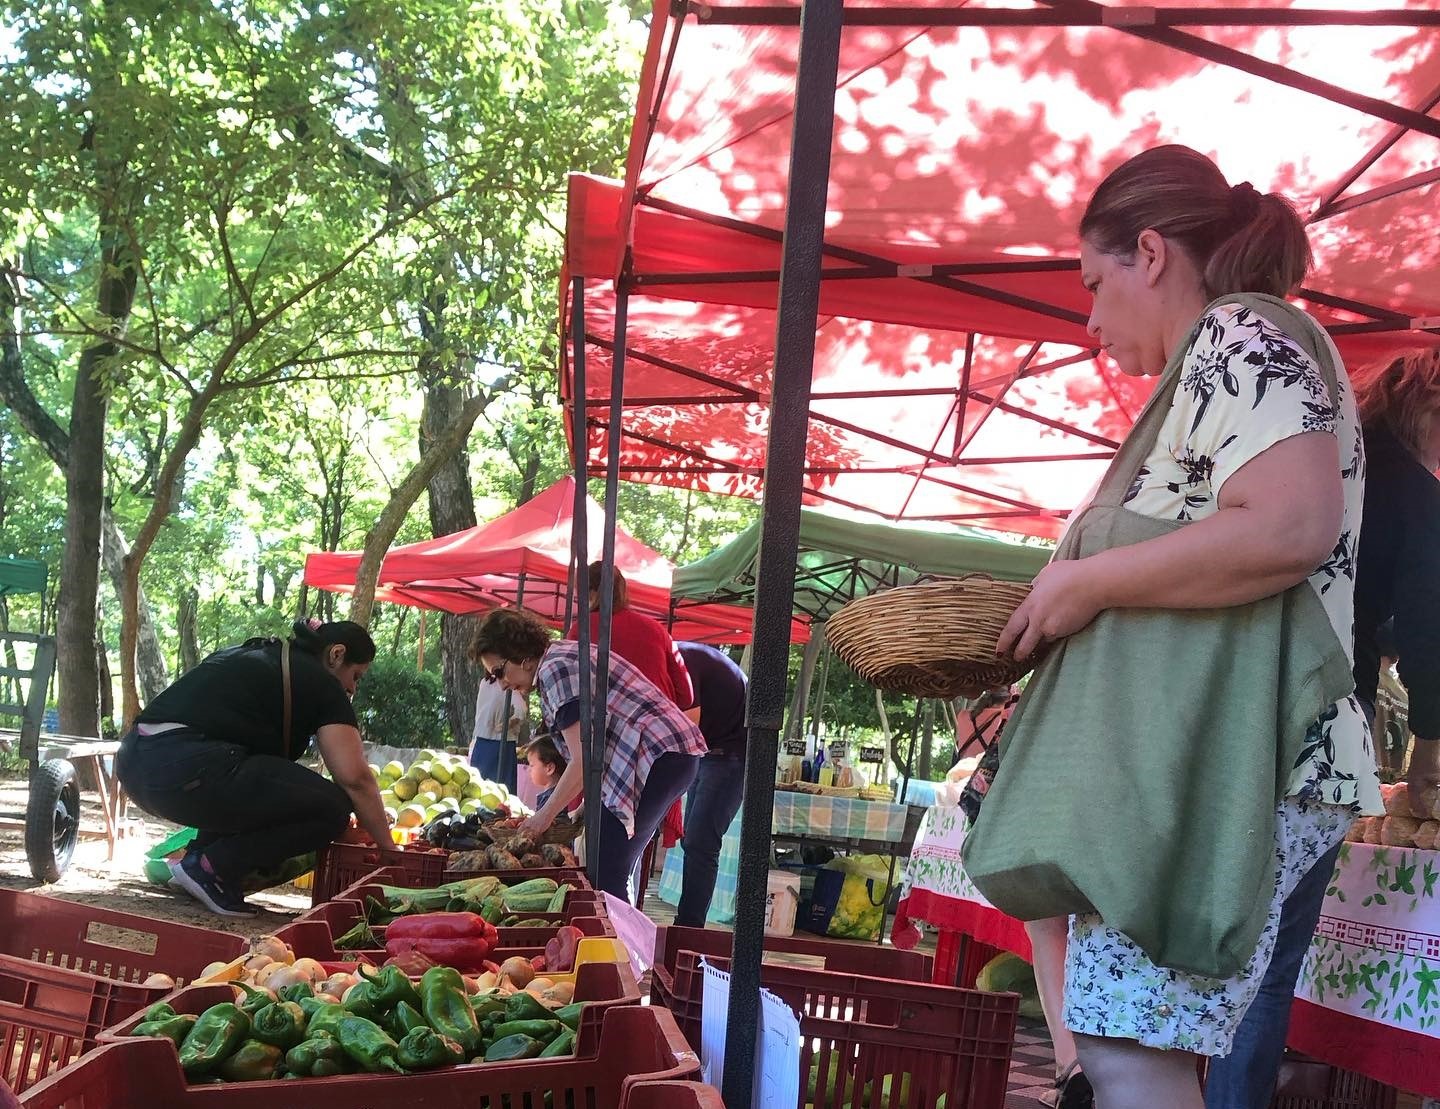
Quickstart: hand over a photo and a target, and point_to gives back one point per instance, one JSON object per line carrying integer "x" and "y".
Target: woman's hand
{"x": 1062, "y": 600}
{"x": 536, "y": 825}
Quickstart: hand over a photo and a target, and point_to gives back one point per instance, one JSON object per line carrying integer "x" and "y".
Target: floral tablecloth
{"x": 1369, "y": 992}
{"x": 938, "y": 892}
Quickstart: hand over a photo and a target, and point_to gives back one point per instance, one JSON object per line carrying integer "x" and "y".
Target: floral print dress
{"x": 1245, "y": 386}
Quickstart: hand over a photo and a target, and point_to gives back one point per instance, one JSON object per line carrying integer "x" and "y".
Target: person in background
{"x": 651, "y": 749}
{"x": 640, "y": 640}
{"x": 1397, "y": 578}
{"x": 546, "y": 765}
{"x": 1265, "y": 465}
{"x": 644, "y": 643}
{"x": 720, "y": 691}
{"x": 211, "y": 751}
{"x": 492, "y": 748}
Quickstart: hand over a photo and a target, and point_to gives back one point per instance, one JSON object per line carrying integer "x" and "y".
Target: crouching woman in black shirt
{"x": 217, "y": 750}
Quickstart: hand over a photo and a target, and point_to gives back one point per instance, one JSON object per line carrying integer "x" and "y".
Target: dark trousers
{"x": 710, "y": 807}
{"x": 670, "y": 776}
{"x": 1245, "y": 1079}
{"x": 252, "y": 812}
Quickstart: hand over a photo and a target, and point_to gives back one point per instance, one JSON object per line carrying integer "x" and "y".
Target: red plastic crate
{"x": 853, "y": 958}
{"x": 861, "y": 1029}
{"x": 672, "y": 1095}
{"x": 636, "y": 1044}
{"x": 347, "y": 860}
{"x": 67, "y": 971}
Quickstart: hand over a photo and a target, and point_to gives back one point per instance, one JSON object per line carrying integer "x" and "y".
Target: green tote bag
{"x": 1141, "y": 769}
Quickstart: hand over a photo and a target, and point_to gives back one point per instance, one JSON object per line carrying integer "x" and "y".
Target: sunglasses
{"x": 496, "y": 673}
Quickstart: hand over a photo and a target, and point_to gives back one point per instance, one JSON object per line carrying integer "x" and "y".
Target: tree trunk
{"x": 452, "y": 509}
{"x": 188, "y": 629}
{"x": 85, "y": 494}
{"x": 151, "y": 669}
{"x": 383, "y": 531}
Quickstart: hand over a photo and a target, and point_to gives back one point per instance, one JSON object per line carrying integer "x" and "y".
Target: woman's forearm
{"x": 1230, "y": 558}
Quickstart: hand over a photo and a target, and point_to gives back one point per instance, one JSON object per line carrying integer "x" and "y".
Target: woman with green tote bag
{"x": 1195, "y": 700}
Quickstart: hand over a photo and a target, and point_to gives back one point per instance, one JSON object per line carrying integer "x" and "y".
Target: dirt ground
{"x": 120, "y": 884}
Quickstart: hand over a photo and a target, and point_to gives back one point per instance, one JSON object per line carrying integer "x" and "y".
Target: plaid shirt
{"x": 641, "y": 724}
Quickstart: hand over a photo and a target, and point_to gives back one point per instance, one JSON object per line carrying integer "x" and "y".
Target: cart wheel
{"x": 52, "y": 820}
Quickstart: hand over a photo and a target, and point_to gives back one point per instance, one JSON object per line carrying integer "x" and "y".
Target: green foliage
{"x": 401, "y": 706}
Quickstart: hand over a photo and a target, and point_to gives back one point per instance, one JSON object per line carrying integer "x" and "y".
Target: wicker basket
{"x": 931, "y": 639}
{"x": 563, "y": 830}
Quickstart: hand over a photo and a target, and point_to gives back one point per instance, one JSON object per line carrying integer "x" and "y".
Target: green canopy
{"x": 841, "y": 559}
{"x": 21, "y": 575}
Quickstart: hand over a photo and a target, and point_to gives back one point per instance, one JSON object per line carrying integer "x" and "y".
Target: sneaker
{"x": 191, "y": 875}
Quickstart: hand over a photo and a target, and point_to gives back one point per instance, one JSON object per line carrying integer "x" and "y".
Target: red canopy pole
{"x": 590, "y": 715}
{"x": 596, "y": 752}
{"x": 799, "y": 303}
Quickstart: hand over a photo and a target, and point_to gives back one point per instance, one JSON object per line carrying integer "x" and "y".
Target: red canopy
{"x": 954, "y": 379}
{"x": 477, "y": 569}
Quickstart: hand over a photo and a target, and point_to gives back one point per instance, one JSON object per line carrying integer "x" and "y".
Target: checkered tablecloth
{"x": 796, "y": 814}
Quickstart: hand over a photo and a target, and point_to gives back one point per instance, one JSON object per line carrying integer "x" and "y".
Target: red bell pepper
{"x": 437, "y": 925}
{"x": 459, "y": 940}
{"x": 560, "y": 951}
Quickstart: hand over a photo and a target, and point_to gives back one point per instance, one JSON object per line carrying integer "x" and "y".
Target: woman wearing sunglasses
{"x": 652, "y": 749}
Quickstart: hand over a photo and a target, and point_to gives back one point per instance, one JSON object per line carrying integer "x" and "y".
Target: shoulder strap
{"x": 285, "y": 682}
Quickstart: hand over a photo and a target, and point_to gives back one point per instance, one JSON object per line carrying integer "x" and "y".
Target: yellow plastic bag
{"x": 861, "y": 906}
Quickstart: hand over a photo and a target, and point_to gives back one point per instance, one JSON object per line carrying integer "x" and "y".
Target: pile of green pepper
{"x": 386, "y": 1024}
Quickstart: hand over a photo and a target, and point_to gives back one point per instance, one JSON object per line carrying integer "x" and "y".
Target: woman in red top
{"x": 644, "y": 643}
{"x": 640, "y": 640}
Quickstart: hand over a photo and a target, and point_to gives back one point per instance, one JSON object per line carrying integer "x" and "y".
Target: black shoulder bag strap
{"x": 285, "y": 682}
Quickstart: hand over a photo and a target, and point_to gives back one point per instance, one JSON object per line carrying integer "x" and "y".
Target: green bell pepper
{"x": 447, "y": 1009}
{"x": 213, "y": 1039}
{"x": 493, "y": 909}
{"x": 512, "y": 1048}
{"x": 563, "y": 1044}
{"x": 569, "y": 1015}
{"x": 367, "y": 1043}
{"x": 486, "y": 1003}
{"x": 254, "y": 1000}
{"x": 318, "y": 1057}
{"x": 174, "y": 1028}
{"x": 297, "y": 991}
{"x": 252, "y": 1061}
{"x": 159, "y": 1011}
{"x": 363, "y": 1000}
{"x": 524, "y": 1006}
{"x": 407, "y": 1017}
{"x": 326, "y": 1020}
{"x": 281, "y": 1024}
{"x": 391, "y": 987}
{"x": 542, "y": 1030}
{"x": 312, "y": 1005}
{"x": 425, "y": 1049}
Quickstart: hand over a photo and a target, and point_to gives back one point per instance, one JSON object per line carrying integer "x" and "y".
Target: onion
{"x": 561, "y": 993}
{"x": 486, "y": 981}
{"x": 267, "y": 972}
{"x": 212, "y": 968}
{"x": 518, "y": 970}
{"x": 157, "y": 979}
{"x": 282, "y": 976}
{"x": 336, "y": 985}
{"x": 272, "y": 946}
{"x": 311, "y": 969}
{"x": 255, "y": 964}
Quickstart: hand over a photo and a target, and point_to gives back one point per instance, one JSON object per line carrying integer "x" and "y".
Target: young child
{"x": 546, "y": 766}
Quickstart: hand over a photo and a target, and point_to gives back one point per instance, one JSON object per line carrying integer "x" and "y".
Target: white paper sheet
{"x": 777, "y": 1043}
